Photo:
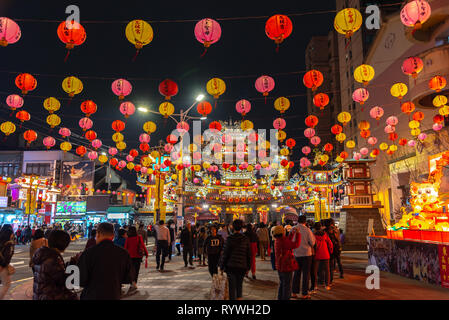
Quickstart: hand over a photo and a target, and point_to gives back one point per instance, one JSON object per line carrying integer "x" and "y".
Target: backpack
{"x": 335, "y": 241}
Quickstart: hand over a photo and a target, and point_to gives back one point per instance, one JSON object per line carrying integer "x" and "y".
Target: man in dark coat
{"x": 49, "y": 269}
{"x": 236, "y": 260}
{"x": 187, "y": 239}
{"x": 104, "y": 267}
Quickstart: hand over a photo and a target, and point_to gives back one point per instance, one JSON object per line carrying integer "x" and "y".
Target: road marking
{"x": 15, "y": 263}
{"x": 21, "y": 267}
{"x": 21, "y": 280}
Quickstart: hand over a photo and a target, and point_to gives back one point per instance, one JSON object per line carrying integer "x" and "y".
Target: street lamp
{"x": 200, "y": 97}
{"x": 142, "y": 109}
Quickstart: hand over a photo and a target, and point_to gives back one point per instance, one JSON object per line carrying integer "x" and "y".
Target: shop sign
{"x": 3, "y": 202}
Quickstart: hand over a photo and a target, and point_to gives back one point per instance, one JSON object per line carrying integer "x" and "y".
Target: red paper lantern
{"x": 113, "y": 162}
{"x": 376, "y": 152}
{"x": 118, "y": 125}
{"x": 26, "y": 82}
{"x": 313, "y": 79}
{"x": 172, "y": 139}
{"x": 392, "y": 136}
{"x": 30, "y": 136}
{"x": 133, "y": 153}
{"x": 81, "y": 151}
{"x": 321, "y": 100}
{"x": 328, "y": 147}
{"x": 365, "y": 134}
{"x": 418, "y": 116}
{"x": 137, "y": 168}
{"x": 311, "y": 121}
{"x": 402, "y": 142}
{"x": 284, "y": 162}
{"x": 278, "y": 28}
{"x": 344, "y": 154}
{"x": 408, "y": 107}
{"x": 437, "y": 83}
{"x": 438, "y": 118}
{"x": 72, "y": 37}
{"x": 168, "y": 88}
{"x": 204, "y": 108}
{"x": 144, "y": 147}
{"x": 233, "y": 168}
{"x": 23, "y": 116}
{"x": 290, "y": 143}
{"x": 336, "y": 129}
{"x": 88, "y": 107}
{"x": 90, "y": 135}
{"x": 215, "y": 125}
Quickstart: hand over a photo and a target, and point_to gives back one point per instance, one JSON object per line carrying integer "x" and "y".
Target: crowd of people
{"x": 304, "y": 255}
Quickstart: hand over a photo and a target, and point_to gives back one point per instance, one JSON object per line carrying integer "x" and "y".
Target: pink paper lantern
{"x": 127, "y": 108}
{"x": 360, "y": 95}
{"x": 14, "y": 101}
{"x": 145, "y": 138}
{"x": 240, "y": 155}
{"x": 422, "y": 136}
{"x": 65, "y": 132}
{"x": 196, "y": 180}
{"x": 129, "y": 158}
{"x": 364, "y": 151}
{"x": 357, "y": 156}
{"x": 412, "y": 66}
{"x": 315, "y": 140}
{"x": 376, "y": 113}
{"x": 279, "y": 124}
{"x": 121, "y": 88}
{"x": 226, "y": 138}
{"x": 306, "y": 150}
{"x": 96, "y": 143}
{"x": 49, "y": 142}
{"x": 389, "y": 129}
{"x": 411, "y": 143}
{"x": 86, "y": 123}
{"x": 168, "y": 147}
{"x": 207, "y": 31}
{"x": 228, "y": 183}
{"x": 392, "y": 121}
{"x": 262, "y": 154}
{"x": 243, "y": 107}
{"x": 265, "y": 84}
{"x": 113, "y": 151}
{"x": 175, "y": 156}
{"x": 245, "y": 165}
{"x": 92, "y": 155}
{"x": 157, "y": 167}
{"x": 437, "y": 126}
{"x": 240, "y": 147}
{"x": 9, "y": 31}
{"x": 372, "y": 140}
{"x": 197, "y": 155}
{"x": 415, "y": 13}
{"x": 144, "y": 170}
{"x": 258, "y": 166}
{"x": 121, "y": 164}
{"x": 309, "y": 133}
{"x": 182, "y": 127}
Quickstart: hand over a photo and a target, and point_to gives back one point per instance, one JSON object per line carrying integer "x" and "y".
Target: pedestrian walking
{"x": 196, "y": 231}
{"x": 201, "y": 239}
{"x": 121, "y": 238}
{"x": 285, "y": 261}
{"x": 163, "y": 239}
{"x": 136, "y": 249}
{"x": 49, "y": 270}
{"x": 262, "y": 234}
{"x": 224, "y": 231}
{"x": 91, "y": 241}
{"x": 303, "y": 256}
{"x": 7, "y": 243}
{"x": 213, "y": 248}
{"x": 171, "y": 244}
{"x": 37, "y": 242}
{"x": 236, "y": 260}
{"x": 187, "y": 244}
{"x": 143, "y": 233}
{"x": 335, "y": 260}
{"x": 253, "y": 239}
{"x": 104, "y": 267}
{"x": 322, "y": 255}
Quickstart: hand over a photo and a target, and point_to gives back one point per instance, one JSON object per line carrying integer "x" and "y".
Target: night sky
{"x": 242, "y": 54}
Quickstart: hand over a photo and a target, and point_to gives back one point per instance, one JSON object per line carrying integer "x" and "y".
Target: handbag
{"x": 140, "y": 250}
{"x": 219, "y": 289}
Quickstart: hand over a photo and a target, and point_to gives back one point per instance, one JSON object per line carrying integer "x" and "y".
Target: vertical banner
{"x": 443, "y": 255}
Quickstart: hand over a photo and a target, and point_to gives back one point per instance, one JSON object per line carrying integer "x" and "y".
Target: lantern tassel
{"x": 265, "y": 99}
{"x": 277, "y": 48}
{"x": 67, "y": 56}
{"x": 204, "y": 52}
{"x": 347, "y": 45}
{"x": 135, "y": 55}
{"x": 215, "y": 105}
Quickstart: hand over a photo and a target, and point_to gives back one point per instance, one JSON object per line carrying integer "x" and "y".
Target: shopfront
{"x": 11, "y": 216}
{"x": 120, "y": 214}
{"x": 70, "y": 211}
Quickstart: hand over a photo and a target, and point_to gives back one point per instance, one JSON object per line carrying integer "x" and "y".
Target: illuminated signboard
{"x": 67, "y": 208}
{"x": 3, "y": 202}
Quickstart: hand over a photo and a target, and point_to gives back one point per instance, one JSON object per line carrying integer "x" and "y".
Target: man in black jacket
{"x": 213, "y": 246}
{"x": 236, "y": 260}
{"x": 104, "y": 267}
{"x": 187, "y": 244}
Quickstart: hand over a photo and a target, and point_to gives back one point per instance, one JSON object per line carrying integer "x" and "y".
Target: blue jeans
{"x": 304, "y": 264}
{"x": 285, "y": 285}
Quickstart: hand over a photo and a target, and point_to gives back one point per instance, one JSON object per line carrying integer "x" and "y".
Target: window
{"x": 41, "y": 169}
{"x": 9, "y": 169}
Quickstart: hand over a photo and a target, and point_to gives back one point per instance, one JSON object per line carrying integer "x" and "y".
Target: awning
{"x": 10, "y": 211}
{"x": 121, "y": 209}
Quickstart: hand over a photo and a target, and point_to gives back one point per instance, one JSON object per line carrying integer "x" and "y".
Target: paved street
{"x": 177, "y": 283}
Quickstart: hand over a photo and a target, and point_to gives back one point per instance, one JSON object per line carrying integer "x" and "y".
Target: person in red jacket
{"x": 323, "y": 251}
{"x": 136, "y": 249}
{"x": 285, "y": 261}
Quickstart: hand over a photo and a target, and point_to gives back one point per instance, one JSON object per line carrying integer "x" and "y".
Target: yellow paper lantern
{"x": 281, "y": 135}
{"x": 246, "y": 125}
{"x": 155, "y": 154}
{"x": 266, "y": 144}
{"x": 393, "y": 148}
{"x": 149, "y": 127}
{"x": 439, "y": 101}
{"x": 65, "y": 146}
{"x": 52, "y": 104}
{"x": 340, "y": 137}
{"x": 166, "y": 109}
{"x": 197, "y": 167}
{"x": 120, "y": 145}
{"x": 146, "y": 161}
{"x": 383, "y": 146}
{"x": 72, "y": 85}
{"x": 53, "y": 120}
{"x": 364, "y": 74}
{"x": 216, "y": 87}
{"x": 139, "y": 33}
{"x": 250, "y": 168}
{"x": 237, "y": 184}
{"x": 264, "y": 164}
{"x": 415, "y": 132}
{"x": 206, "y": 181}
{"x": 218, "y": 156}
{"x": 193, "y": 147}
{"x": 348, "y": 21}
{"x": 274, "y": 165}
{"x": 324, "y": 158}
{"x": 206, "y": 165}
{"x": 364, "y": 125}
{"x": 7, "y": 128}
{"x": 413, "y": 124}
{"x": 350, "y": 144}
{"x": 281, "y": 104}
{"x": 339, "y": 159}
{"x": 285, "y": 152}
{"x": 103, "y": 158}
{"x": 150, "y": 171}
{"x": 130, "y": 166}
{"x": 344, "y": 117}
{"x": 399, "y": 90}
{"x": 174, "y": 177}
{"x": 117, "y": 137}
{"x": 444, "y": 111}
